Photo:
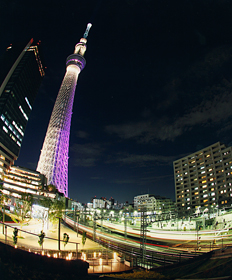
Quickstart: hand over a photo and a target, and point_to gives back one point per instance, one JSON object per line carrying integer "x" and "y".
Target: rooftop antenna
{"x": 87, "y": 30}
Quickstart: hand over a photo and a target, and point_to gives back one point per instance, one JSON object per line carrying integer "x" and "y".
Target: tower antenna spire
{"x": 87, "y": 30}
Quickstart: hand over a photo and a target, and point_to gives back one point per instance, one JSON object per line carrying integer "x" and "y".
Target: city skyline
{"x": 157, "y": 87}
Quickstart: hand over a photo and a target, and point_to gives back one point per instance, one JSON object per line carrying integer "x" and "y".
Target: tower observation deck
{"x": 53, "y": 161}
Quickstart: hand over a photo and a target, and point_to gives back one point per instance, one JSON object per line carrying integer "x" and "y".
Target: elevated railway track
{"x": 157, "y": 253}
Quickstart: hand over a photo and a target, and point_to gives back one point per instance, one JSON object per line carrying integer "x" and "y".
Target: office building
{"x": 19, "y": 180}
{"x": 203, "y": 179}
{"x": 53, "y": 161}
{"x": 21, "y": 73}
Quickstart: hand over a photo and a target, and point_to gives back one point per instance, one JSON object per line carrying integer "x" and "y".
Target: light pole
{"x": 59, "y": 235}
{"x": 76, "y": 219}
{"x": 125, "y": 226}
{"x": 198, "y": 239}
{"x": 102, "y": 217}
{"x": 94, "y": 226}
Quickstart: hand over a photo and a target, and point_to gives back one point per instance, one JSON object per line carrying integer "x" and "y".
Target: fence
{"x": 100, "y": 261}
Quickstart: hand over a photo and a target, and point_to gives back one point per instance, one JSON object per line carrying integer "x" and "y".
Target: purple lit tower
{"x": 53, "y": 161}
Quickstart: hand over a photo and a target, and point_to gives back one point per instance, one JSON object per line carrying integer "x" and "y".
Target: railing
{"x": 30, "y": 238}
{"x": 100, "y": 261}
{"x": 130, "y": 252}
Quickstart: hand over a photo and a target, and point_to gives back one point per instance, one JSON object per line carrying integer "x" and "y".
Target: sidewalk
{"x": 35, "y": 227}
{"x": 28, "y": 239}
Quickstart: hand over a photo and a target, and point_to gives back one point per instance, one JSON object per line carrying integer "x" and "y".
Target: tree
{"x": 41, "y": 239}
{"x": 23, "y": 208}
{"x": 66, "y": 239}
{"x": 51, "y": 188}
{"x": 55, "y": 208}
{"x": 83, "y": 238}
{"x": 15, "y": 236}
{"x": 45, "y": 202}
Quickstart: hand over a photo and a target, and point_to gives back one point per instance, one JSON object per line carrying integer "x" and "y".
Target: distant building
{"x": 21, "y": 73}
{"x": 101, "y": 203}
{"x": 74, "y": 205}
{"x": 203, "y": 179}
{"x": 98, "y": 203}
{"x": 89, "y": 205}
{"x": 153, "y": 203}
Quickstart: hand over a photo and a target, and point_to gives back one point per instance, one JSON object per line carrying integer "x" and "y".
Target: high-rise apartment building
{"x": 53, "y": 161}
{"x": 204, "y": 179}
{"x": 21, "y": 73}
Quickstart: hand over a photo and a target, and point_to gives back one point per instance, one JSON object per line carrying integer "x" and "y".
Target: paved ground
{"x": 35, "y": 227}
{"x": 75, "y": 242}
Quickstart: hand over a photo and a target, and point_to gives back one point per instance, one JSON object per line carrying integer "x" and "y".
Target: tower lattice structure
{"x": 53, "y": 161}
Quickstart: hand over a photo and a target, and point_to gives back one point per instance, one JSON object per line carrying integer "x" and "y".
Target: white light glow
{"x": 28, "y": 103}
{"x": 24, "y": 114}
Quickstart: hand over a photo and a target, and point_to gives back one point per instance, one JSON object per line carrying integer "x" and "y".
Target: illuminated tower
{"x": 53, "y": 161}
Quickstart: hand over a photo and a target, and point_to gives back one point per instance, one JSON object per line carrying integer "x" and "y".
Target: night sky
{"x": 157, "y": 86}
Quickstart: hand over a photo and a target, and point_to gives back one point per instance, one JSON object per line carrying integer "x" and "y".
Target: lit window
{"x": 24, "y": 114}
{"x": 5, "y": 129}
{"x": 28, "y": 103}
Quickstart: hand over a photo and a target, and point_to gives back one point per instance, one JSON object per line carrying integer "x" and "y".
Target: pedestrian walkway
{"x": 29, "y": 237}
{"x": 28, "y": 240}
{"x": 110, "y": 266}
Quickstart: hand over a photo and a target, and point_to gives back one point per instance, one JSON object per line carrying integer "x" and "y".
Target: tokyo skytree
{"x": 53, "y": 161}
